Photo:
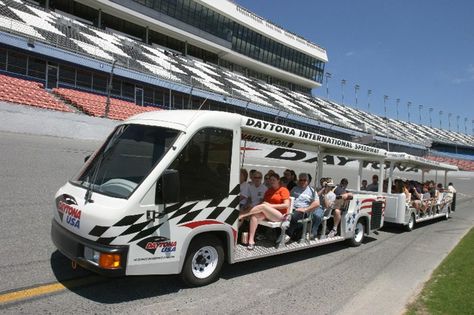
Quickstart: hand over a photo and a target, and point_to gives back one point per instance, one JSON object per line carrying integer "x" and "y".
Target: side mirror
{"x": 87, "y": 158}
{"x": 167, "y": 189}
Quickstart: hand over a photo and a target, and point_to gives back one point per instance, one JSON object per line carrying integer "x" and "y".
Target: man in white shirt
{"x": 256, "y": 189}
{"x": 452, "y": 192}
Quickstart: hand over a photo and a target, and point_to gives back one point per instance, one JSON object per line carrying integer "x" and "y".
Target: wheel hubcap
{"x": 204, "y": 262}
{"x": 359, "y": 232}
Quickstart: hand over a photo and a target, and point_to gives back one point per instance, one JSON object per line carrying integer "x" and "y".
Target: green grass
{"x": 451, "y": 287}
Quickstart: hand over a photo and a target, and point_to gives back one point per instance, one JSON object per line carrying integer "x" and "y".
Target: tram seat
{"x": 278, "y": 224}
{"x": 326, "y": 216}
{"x": 442, "y": 201}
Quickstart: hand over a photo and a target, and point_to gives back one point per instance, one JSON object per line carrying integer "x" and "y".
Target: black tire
{"x": 411, "y": 223}
{"x": 448, "y": 213}
{"x": 359, "y": 231}
{"x": 204, "y": 260}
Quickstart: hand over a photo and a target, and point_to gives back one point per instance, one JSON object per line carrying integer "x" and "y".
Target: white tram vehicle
{"x": 161, "y": 195}
{"x": 401, "y": 211}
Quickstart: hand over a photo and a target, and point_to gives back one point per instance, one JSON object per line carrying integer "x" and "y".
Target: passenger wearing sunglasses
{"x": 306, "y": 203}
{"x": 256, "y": 189}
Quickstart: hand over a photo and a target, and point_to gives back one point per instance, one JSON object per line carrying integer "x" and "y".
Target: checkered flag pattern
{"x": 136, "y": 227}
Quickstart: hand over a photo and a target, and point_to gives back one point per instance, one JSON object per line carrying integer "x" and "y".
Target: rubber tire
{"x": 407, "y": 227}
{"x": 352, "y": 240}
{"x": 448, "y": 213}
{"x": 187, "y": 273}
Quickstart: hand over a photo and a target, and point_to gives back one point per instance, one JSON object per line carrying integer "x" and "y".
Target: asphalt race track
{"x": 378, "y": 277}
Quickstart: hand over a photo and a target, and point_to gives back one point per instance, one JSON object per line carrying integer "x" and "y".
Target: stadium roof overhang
{"x": 139, "y": 15}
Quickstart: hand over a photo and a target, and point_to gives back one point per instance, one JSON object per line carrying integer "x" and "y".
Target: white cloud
{"x": 350, "y": 53}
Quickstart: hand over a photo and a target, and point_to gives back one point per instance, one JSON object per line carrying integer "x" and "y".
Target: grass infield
{"x": 451, "y": 287}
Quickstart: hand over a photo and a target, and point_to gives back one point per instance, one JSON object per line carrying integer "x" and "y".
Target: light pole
{"x": 385, "y": 98}
{"x": 408, "y": 110}
{"x": 420, "y": 108}
{"x": 369, "y": 92}
{"x": 457, "y": 122}
{"x": 328, "y": 76}
{"x": 398, "y": 103}
{"x": 449, "y": 121}
{"x": 430, "y": 111}
{"x": 440, "y": 119}
{"x": 356, "y": 89}
{"x": 465, "y": 125}
{"x": 109, "y": 89}
{"x": 343, "y": 82}
{"x": 472, "y": 125}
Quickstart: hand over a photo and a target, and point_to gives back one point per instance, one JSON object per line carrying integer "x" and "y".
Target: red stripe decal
{"x": 367, "y": 200}
{"x": 196, "y": 224}
{"x": 366, "y": 207}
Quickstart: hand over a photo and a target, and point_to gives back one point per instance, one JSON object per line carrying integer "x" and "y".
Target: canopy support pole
{"x": 381, "y": 171}
{"x": 390, "y": 177}
{"x": 359, "y": 174}
{"x": 319, "y": 169}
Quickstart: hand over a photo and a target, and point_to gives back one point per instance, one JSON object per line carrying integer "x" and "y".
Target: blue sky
{"x": 420, "y": 51}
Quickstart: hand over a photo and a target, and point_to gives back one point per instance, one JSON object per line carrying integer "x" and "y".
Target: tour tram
{"x": 401, "y": 211}
{"x": 161, "y": 195}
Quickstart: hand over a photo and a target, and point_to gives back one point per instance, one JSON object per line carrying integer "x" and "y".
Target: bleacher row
{"x": 31, "y": 21}
{"x": 29, "y": 93}
{"x": 94, "y": 105}
{"x": 15, "y": 90}
{"x": 464, "y": 165}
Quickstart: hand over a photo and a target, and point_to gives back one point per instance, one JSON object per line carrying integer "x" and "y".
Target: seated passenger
{"x": 426, "y": 199}
{"x": 415, "y": 196}
{"x": 256, "y": 189}
{"x": 341, "y": 196}
{"x": 290, "y": 179}
{"x": 305, "y": 203}
{"x": 284, "y": 182}
{"x": 274, "y": 208}
{"x": 329, "y": 197}
{"x": 406, "y": 191}
{"x": 374, "y": 186}
{"x": 251, "y": 174}
{"x": 397, "y": 186}
{"x": 363, "y": 185}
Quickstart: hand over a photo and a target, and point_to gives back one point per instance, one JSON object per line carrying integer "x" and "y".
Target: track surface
{"x": 378, "y": 277}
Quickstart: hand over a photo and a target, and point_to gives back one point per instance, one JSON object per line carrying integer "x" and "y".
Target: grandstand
{"x": 162, "y": 58}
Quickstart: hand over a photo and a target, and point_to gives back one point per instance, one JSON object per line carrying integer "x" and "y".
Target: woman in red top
{"x": 273, "y": 208}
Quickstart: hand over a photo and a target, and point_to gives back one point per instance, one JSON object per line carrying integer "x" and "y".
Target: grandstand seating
{"x": 464, "y": 165}
{"x": 26, "y": 19}
{"x": 94, "y": 105}
{"x": 26, "y": 92}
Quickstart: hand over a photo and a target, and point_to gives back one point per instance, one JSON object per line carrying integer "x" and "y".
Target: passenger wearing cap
{"x": 341, "y": 196}
{"x": 329, "y": 202}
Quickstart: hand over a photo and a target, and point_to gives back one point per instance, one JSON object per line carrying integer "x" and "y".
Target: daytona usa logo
{"x": 73, "y": 215}
{"x": 160, "y": 243}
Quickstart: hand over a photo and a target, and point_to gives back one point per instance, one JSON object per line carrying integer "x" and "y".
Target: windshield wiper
{"x": 120, "y": 130}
